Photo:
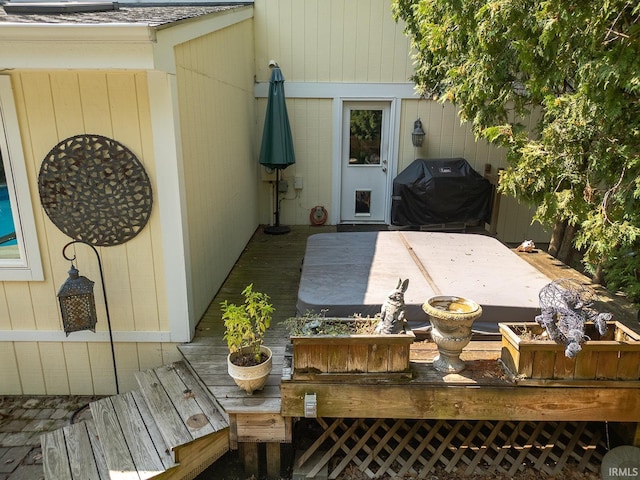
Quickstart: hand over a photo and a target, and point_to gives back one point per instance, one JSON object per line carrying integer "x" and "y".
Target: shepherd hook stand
{"x": 106, "y": 304}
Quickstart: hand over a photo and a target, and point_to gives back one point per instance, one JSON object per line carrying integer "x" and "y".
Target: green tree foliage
{"x": 573, "y": 65}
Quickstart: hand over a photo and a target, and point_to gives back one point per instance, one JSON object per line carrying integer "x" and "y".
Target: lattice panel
{"x": 418, "y": 447}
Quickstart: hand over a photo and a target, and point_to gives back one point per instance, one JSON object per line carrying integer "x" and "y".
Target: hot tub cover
{"x": 445, "y": 190}
{"x": 352, "y": 273}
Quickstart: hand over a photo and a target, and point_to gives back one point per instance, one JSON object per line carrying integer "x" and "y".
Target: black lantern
{"x": 417, "y": 136}
{"x": 77, "y": 303}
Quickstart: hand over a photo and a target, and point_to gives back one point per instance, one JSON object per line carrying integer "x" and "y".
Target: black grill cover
{"x": 444, "y": 190}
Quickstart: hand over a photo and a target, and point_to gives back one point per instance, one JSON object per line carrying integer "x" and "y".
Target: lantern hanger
{"x": 104, "y": 293}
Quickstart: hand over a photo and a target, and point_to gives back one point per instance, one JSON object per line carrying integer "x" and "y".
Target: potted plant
{"x": 367, "y": 348}
{"x": 329, "y": 348}
{"x": 249, "y": 362}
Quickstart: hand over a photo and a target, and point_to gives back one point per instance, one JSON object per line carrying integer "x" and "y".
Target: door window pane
{"x": 365, "y": 127}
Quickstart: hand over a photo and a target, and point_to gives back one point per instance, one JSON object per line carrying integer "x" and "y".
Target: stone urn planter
{"x": 531, "y": 356}
{"x": 451, "y": 319}
{"x": 342, "y": 352}
{"x": 250, "y": 378}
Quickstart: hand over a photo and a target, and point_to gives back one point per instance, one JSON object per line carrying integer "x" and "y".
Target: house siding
{"x": 330, "y": 50}
{"x": 217, "y": 122}
{"x": 355, "y": 41}
{"x": 52, "y": 106}
{"x": 311, "y": 127}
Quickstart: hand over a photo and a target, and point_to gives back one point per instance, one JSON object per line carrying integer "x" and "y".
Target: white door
{"x": 365, "y": 159}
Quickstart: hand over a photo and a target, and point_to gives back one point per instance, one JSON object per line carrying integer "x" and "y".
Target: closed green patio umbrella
{"x": 277, "y": 144}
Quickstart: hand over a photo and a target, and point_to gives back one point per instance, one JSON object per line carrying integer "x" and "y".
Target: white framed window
{"x": 19, "y": 252}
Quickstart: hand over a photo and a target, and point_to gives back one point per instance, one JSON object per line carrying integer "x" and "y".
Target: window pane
{"x": 8, "y": 243}
{"x": 366, "y": 131}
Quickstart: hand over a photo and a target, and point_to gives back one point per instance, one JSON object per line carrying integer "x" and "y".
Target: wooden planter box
{"x": 367, "y": 356}
{"x": 614, "y": 356}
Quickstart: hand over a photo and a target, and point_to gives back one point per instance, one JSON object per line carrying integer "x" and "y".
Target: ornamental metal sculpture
{"x": 566, "y": 305}
{"x": 94, "y": 189}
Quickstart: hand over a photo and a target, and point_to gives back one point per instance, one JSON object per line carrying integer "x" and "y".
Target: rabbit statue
{"x": 392, "y": 311}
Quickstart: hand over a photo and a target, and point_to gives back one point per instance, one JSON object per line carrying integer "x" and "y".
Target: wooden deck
{"x": 272, "y": 263}
{"x": 481, "y": 392}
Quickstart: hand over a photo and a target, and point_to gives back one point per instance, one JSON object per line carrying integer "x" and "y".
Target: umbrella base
{"x": 277, "y": 229}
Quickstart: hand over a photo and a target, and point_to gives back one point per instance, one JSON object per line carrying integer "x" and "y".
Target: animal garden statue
{"x": 392, "y": 311}
{"x": 566, "y": 305}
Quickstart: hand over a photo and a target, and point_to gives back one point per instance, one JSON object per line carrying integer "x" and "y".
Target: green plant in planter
{"x": 313, "y": 324}
{"x": 246, "y": 324}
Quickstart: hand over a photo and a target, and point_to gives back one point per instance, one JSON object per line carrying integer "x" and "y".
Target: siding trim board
{"x": 84, "y": 337}
{"x": 172, "y": 205}
{"x": 369, "y": 91}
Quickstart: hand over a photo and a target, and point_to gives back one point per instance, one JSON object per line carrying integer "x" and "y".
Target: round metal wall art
{"x": 94, "y": 189}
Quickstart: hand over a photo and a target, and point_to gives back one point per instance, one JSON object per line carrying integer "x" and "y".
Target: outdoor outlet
{"x": 310, "y": 405}
{"x": 283, "y": 186}
{"x": 297, "y": 182}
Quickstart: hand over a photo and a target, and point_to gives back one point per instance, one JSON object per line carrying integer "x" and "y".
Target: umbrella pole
{"x": 277, "y": 229}
{"x": 277, "y": 197}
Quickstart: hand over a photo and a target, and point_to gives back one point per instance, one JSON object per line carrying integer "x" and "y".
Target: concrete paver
{"x": 22, "y": 421}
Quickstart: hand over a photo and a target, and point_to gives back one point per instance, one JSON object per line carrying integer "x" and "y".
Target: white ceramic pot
{"x": 451, "y": 321}
{"x": 251, "y": 378}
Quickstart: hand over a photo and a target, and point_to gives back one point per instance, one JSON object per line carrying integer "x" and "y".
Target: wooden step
{"x": 127, "y": 443}
{"x": 170, "y": 429}
{"x": 181, "y": 408}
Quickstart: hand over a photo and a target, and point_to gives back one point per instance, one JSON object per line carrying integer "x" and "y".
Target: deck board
{"x": 184, "y": 400}
{"x": 81, "y": 458}
{"x": 169, "y": 422}
{"x": 116, "y": 450}
{"x": 54, "y": 451}
{"x": 143, "y": 451}
{"x": 98, "y": 451}
{"x": 156, "y": 437}
{"x": 203, "y": 399}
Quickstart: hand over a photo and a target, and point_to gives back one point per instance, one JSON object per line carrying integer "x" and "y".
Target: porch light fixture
{"x": 77, "y": 302}
{"x": 417, "y": 136}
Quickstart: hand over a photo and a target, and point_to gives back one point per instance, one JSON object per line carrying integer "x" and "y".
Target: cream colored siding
{"x": 446, "y": 137}
{"x": 52, "y": 106}
{"x": 77, "y": 368}
{"x": 217, "y": 121}
{"x": 311, "y": 125}
{"x": 352, "y": 41}
{"x": 344, "y": 50}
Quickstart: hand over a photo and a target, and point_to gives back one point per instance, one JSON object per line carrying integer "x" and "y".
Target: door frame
{"x": 394, "y": 131}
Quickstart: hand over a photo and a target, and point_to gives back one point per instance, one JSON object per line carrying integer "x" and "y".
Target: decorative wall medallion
{"x": 95, "y": 189}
